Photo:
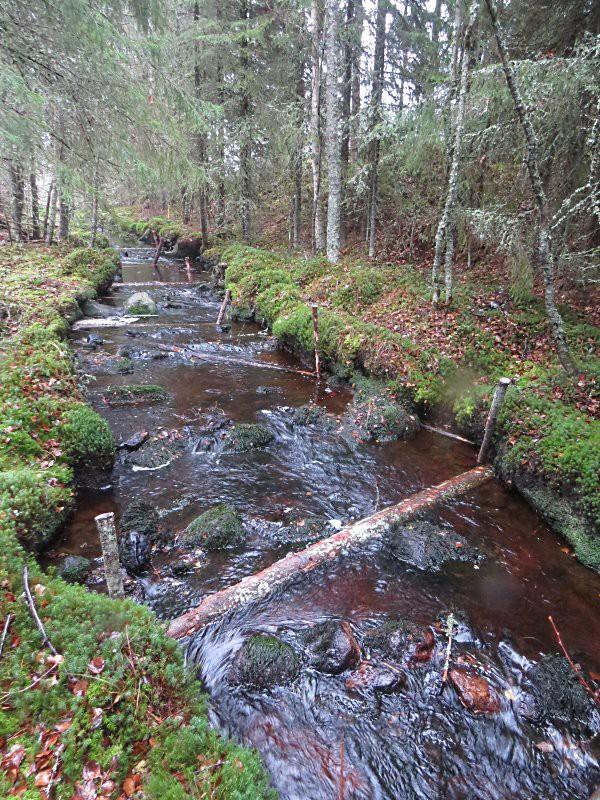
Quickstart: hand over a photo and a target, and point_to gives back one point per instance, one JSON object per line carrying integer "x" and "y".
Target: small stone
{"x": 474, "y": 691}
{"x": 374, "y": 678}
{"x": 136, "y": 440}
{"x": 332, "y": 647}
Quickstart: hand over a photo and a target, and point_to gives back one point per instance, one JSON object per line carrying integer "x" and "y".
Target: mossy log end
{"x": 294, "y": 565}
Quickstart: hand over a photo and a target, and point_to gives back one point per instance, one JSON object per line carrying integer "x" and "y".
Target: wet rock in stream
{"x": 140, "y": 304}
{"x": 331, "y": 647}
{"x": 157, "y": 453}
{"x": 244, "y": 437}
{"x": 264, "y": 661}
{"x": 92, "y": 308}
{"x": 474, "y": 691}
{"x": 312, "y": 414}
{"x": 382, "y": 679}
{"x": 135, "y": 395}
{"x": 134, "y": 552}
{"x": 217, "y": 529}
{"x": 142, "y": 517}
{"x": 402, "y": 641}
{"x": 379, "y": 419}
{"x": 74, "y": 569}
{"x": 430, "y": 547}
{"x": 136, "y": 440}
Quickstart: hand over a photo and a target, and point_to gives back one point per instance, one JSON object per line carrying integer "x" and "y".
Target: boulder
{"x": 474, "y": 691}
{"x": 134, "y": 551}
{"x": 331, "y": 647}
{"x": 156, "y": 453}
{"x": 74, "y": 569}
{"x": 263, "y": 661}
{"x": 375, "y": 678}
{"x": 91, "y": 308}
{"x": 310, "y": 414}
{"x": 142, "y": 517}
{"x": 140, "y": 304}
{"x": 217, "y": 529}
{"x": 379, "y": 419}
{"x": 429, "y": 547}
{"x": 244, "y": 437}
{"x": 401, "y": 640}
{"x": 188, "y": 246}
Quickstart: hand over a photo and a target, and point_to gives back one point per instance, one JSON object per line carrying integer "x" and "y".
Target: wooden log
{"x": 224, "y": 304}
{"x": 295, "y": 565}
{"x": 448, "y": 434}
{"x": 315, "y": 320}
{"x": 110, "y": 553}
{"x": 490, "y": 424}
{"x": 244, "y": 362}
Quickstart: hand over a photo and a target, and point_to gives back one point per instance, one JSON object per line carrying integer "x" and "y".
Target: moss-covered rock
{"x": 430, "y": 547}
{"x": 311, "y": 414}
{"x": 140, "y": 304}
{"x": 216, "y": 529}
{"x": 87, "y": 438}
{"x": 380, "y": 419}
{"x": 331, "y": 646}
{"x": 247, "y": 436}
{"x": 263, "y": 661}
{"x": 142, "y": 517}
{"x": 135, "y": 394}
{"x": 74, "y": 569}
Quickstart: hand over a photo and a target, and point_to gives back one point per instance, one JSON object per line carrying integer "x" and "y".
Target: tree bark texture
{"x": 107, "y": 531}
{"x": 332, "y": 132}
{"x": 35, "y": 205}
{"x": 376, "y": 97}
{"x": 316, "y": 17}
{"x": 17, "y": 185}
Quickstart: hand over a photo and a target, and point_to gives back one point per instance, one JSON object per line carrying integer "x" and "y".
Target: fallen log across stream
{"x": 245, "y": 362}
{"x": 351, "y": 538}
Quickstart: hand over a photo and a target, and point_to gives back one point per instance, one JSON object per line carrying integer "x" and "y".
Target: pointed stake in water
{"x": 497, "y": 402}
{"x": 224, "y": 304}
{"x": 110, "y": 553}
{"x": 315, "y": 319}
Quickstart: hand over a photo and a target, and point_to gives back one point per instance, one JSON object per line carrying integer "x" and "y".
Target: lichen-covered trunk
{"x": 316, "y": 17}
{"x": 64, "y": 217}
{"x": 346, "y": 107}
{"x": 35, "y": 205}
{"x": 94, "y": 220}
{"x": 332, "y": 131}
{"x": 447, "y": 216}
{"x": 357, "y": 26}
{"x": 246, "y": 145}
{"x": 17, "y": 185}
{"x": 51, "y": 213}
{"x": 376, "y": 97}
{"x": 545, "y": 255}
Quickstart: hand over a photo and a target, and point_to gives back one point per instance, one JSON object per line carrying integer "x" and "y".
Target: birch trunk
{"x": 52, "y": 213}
{"x": 376, "y": 96}
{"x": 545, "y": 255}
{"x": 446, "y": 219}
{"x": 318, "y": 232}
{"x": 35, "y": 204}
{"x": 332, "y": 133}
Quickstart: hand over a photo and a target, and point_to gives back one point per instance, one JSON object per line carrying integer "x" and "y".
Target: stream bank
{"x": 374, "y": 716}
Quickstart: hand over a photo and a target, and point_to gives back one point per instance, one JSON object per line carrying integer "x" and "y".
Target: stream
{"x": 341, "y": 736}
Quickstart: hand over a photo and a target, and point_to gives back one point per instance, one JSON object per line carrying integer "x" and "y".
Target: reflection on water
{"x": 318, "y": 740}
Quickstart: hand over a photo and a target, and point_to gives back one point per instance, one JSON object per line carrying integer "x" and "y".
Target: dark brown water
{"x": 319, "y": 741}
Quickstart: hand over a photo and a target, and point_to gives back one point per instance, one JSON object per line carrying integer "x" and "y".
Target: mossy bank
{"x": 115, "y": 712}
{"x": 377, "y": 321}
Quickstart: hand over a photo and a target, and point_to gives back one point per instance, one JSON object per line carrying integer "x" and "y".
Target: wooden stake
{"x": 497, "y": 401}
{"x": 160, "y": 243}
{"x": 110, "y": 553}
{"x": 224, "y": 304}
{"x": 352, "y": 539}
{"x": 315, "y": 319}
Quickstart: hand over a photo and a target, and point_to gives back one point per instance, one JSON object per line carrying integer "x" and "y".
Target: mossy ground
{"x": 116, "y": 711}
{"x": 378, "y": 321}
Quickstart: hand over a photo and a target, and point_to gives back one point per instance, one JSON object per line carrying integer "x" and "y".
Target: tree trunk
{"x": 376, "y": 97}
{"x": 64, "y": 217}
{"x": 447, "y": 217}
{"x": 296, "y": 206}
{"x": 220, "y": 217}
{"x": 332, "y": 132}
{"x": 47, "y": 211}
{"x": 52, "y": 213}
{"x": 348, "y": 541}
{"x": 201, "y": 143}
{"x": 246, "y": 145}
{"x": 94, "y": 222}
{"x": 18, "y": 199}
{"x": 318, "y": 227}
{"x": 346, "y": 106}
{"x": 355, "y": 92}
{"x": 544, "y": 240}
{"x": 35, "y": 205}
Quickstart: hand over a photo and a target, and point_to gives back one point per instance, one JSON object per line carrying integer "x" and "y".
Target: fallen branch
{"x": 244, "y": 362}
{"x": 9, "y": 619}
{"x": 224, "y": 304}
{"x": 442, "y": 432}
{"x": 449, "y": 633}
{"x": 45, "y": 640}
{"x": 295, "y": 565}
{"x": 592, "y": 692}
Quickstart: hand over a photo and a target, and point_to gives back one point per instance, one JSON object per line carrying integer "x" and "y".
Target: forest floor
{"x": 107, "y": 709}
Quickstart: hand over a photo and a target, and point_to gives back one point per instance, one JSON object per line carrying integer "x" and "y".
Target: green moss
{"x": 218, "y": 528}
{"x": 247, "y": 436}
{"x": 265, "y": 660}
{"x": 87, "y": 438}
{"x": 135, "y": 394}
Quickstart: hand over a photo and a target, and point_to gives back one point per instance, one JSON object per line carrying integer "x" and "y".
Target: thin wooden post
{"x": 315, "y": 320}
{"x": 490, "y": 424}
{"x": 110, "y": 553}
{"x": 224, "y": 304}
{"x": 160, "y": 243}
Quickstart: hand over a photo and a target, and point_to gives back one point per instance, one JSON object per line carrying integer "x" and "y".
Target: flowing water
{"x": 319, "y": 739}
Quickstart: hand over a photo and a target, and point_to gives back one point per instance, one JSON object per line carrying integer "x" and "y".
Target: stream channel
{"x": 513, "y": 722}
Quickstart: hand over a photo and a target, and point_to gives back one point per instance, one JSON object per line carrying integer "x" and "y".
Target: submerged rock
{"x": 134, "y": 551}
{"x": 375, "y": 678}
{"x": 474, "y": 691}
{"x": 156, "y": 453}
{"x": 135, "y": 394}
{"x": 140, "y": 304}
{"x": 91, "y": 308}
{"x": 263, "y": 661}
{"x": 218, "y": 528}
{"x": 429, "y": 547}
{"x": 401, "y": 640}
{"x": 331, "y": 647}
{"x": 553, "y": 693}
{"x": 310, "y": 414}
{"x": 247, "y": 436}
{"x": 74, "y": 569}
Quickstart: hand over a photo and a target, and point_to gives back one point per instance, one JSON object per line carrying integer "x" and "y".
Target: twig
{"x": 9, "y": 619}
{"x": 32, "y": 684}
{"x": 341, "y": 789}
{"x": 449, "y": 633}
{"x": 593, "y": 694}
{"x": 45, "y": 640}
